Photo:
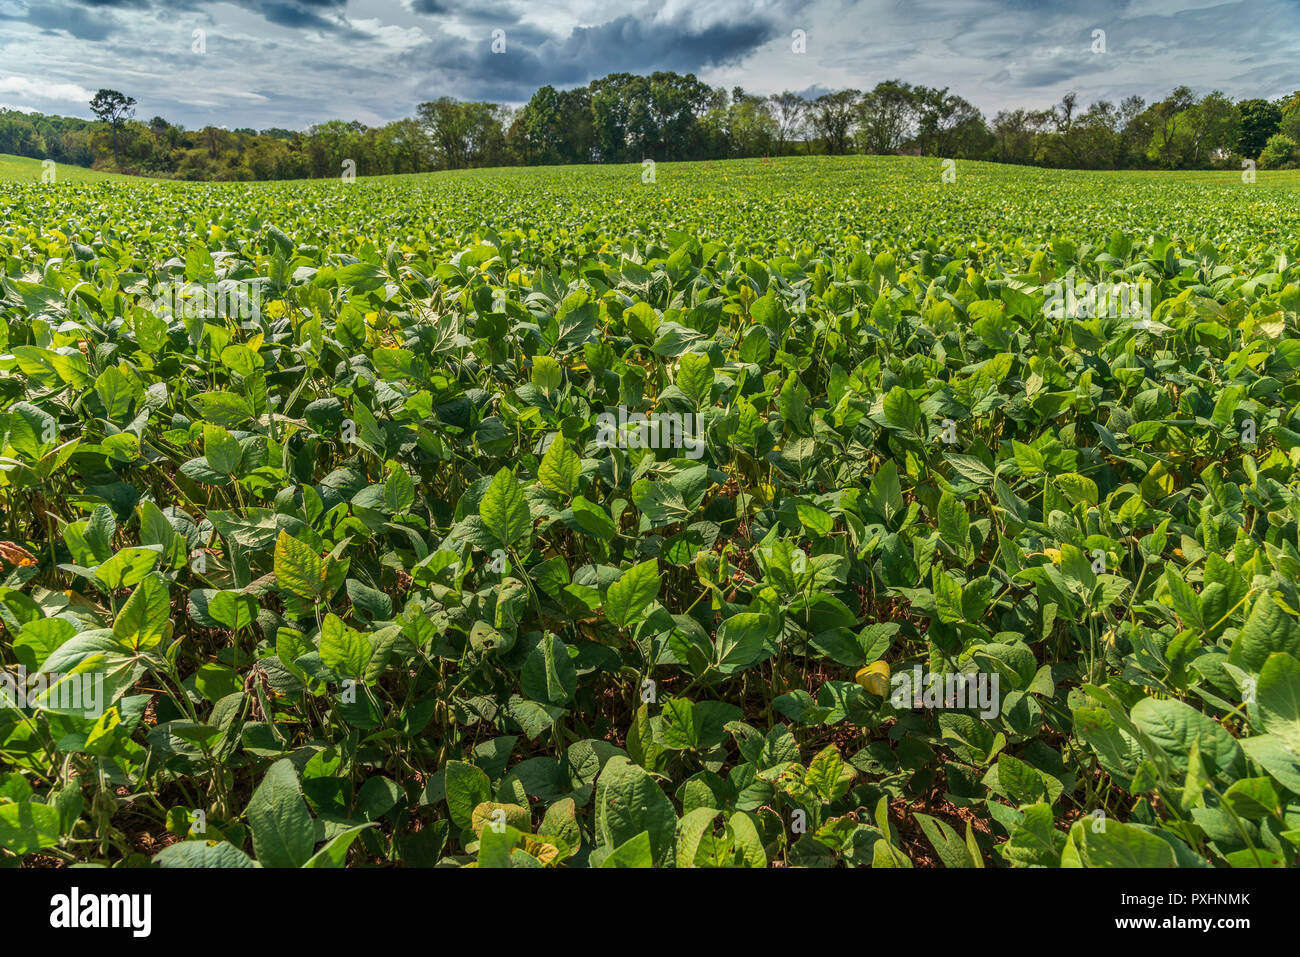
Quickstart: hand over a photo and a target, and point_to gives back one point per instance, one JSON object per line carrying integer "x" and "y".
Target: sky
{"x": 292, "y": 63}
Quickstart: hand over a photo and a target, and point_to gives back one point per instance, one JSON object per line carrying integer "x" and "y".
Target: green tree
{"x": 789, "y": 111}
{"x": 1164, "y": 146}
{"x": 542, "y": 131}
{"x": 113, "y": 108}
{"x": 750, "y": 127}
{"x": 1214, "y": 129}
{"x": 616, "y": 104}
{"x": 1289, "y": 123}
{"x": 833, "y": 116}
{"x": 1015, "y": 133}
{"x": 555, "y": 127}
{"x": 1260, "y": 119}
{"x": 887, "y": 117}
{"x": 1134, "y": 132}
{"x": 947, "y": 125}
{"x": 1280, "y": 152}
{"x": 463, "y": 134}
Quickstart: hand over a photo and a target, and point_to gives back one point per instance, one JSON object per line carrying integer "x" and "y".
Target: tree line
{"x": 670, "y": 116}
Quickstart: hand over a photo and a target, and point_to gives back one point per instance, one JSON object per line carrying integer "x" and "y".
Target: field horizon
{"x": 28, "y": 169}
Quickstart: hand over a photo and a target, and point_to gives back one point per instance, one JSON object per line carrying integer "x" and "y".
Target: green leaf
{"x": 662, "y": 502}
{"x": 27, "y": 827}
{"x": 235, "y": 610}
{"x": 632, "y": 593}
{"x": 971, "y": 468}
{"x": 1253, "y": 798}
{"x": 677, "y": 724}
{"x": 1019, "y": 781}
{"x": 221, "y": 449}
{"x": 128, "y": 567}
{"x": 284, "y": 834}
{"x": 38, "y": 639}
{"x": 1268, "y": 628}
{"x": 358, "y": 275}
{"x": 634, "y": 852}
{"x": 952, "y": 850}
{"x": 399, "y": 491}
{"x": 547, "y": 373}
{"x": 841, "y": 646}
{"x": 690, "y": 834}
{"x": 98, "y": 652}
{"x": 947, "y": 598}
{"x": 1077, "y": 488}
{"x": 1277, "y": 699}
{"x": 505, "y": 511}
{"x": 335, "y": 853}
{"x": 502, "y": 849}
{"x": 897, "y": 562}
{"x": 548, "y": 674}
{"x": 818, "y": 522}
{"x": 1175, "y": 726}
{"x": 344, "y": 649}
{"x": 467, "y": 787}
{"x": 741, "y": 641}
{"x": 954, "y": 525}
{"x": 218, "y": 854}
{"x": 298, "y": 569}
{"x": 560, "y": 468}
{"x": 1272, "y": 754}
{"x": 223, "y": 408}
{"x": 593, "y": 519}
{"x": 629, "y": 802}
{"x": 1184, "y": 600}
{"x": 642, "y": 321}
{"x": 145, "y": 618}
{"x": 828, "y": 775}
{"x": 1028, "y": 459}
{"x": 1117, "y": 844}
{"x": 1034, "y": 841}
{"x": 695, "y": 378}
{"x": 904, "y": 413}
{"x": 115, "y": 391}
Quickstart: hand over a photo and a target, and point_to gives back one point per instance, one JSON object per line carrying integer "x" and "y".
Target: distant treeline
{"x": 669, "y": 116}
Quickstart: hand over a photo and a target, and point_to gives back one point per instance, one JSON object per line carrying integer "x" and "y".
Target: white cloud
{"x": 41, "y": 90}
{"x": 395, "y": 38}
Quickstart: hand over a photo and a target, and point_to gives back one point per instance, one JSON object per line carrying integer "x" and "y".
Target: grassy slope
{"x": 24, "y": 169}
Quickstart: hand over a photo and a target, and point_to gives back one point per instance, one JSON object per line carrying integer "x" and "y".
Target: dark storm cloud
{"x": 623, "y": 45}
{"x": 318, "y": 14}
{"x": 500, "y": 11}
{"x": 298, "y": 14}
{"x": 1047, "y": 71}
{"x": 75, "y": 21}
{"x": 631, "y": 45}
